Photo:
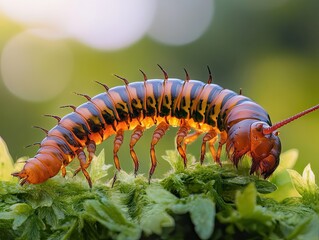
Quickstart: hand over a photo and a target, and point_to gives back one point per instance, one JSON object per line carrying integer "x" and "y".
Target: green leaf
{"x": 107, "y": 214}
{"x": 310, "y": 179}
{"x": 307, "y": 229}
{"x": 6, "y": 162}
{"x": 304, "y": 184}
{"x": 174, "y": 159}
{"x": 246, "y": 201}
{"x": 67, "y": 230}
{"x": 98, "y": 168}
{"x": 40, "y": 199}
{"x": 154, "y": 218}
{"x": 239, "y": 180}
{"x": 284, "y": 191}
{"x": 264, "y": 186}
{"x": 297, "y": 181}
{"x": 32, "y": 228}
{"x": 175, "y": 184}
{"x": 58, "y": 212}
{"x": 202, "y": 213}
{"x": 21, "y": 212}
{"x": 158, "y": 194}
{"x": 51, "y": 215}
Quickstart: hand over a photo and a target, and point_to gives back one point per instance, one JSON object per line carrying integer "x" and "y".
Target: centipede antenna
{"x": 210, "y": 76}
{"x": 122, "y": 78}
{"x": 104, "y": 85}
{"x": 83, "y": 95}
{"x": 44, "y": 130}
{"x": 15, "y": 174}
{"x": 53, "y": 116}
{"x": 288, "y": 120}
{"x": 33, "y": 144}
{"x": 144, "y": 75}
{"x": 70, "y": 106}
{"x": 240, "y": 91}
{"x": 164, "y": 72}
{"x": 187, "y": 75}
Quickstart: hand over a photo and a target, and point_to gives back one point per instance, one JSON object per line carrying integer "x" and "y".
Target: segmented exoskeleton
{"x": 207, "y": 108}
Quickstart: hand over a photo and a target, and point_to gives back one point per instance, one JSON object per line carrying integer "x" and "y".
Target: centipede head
{"x": 259, "y": 140}
{"x": 27, "y": 174}
{"x": 247, "y": 137}
{"x": 265, "y": 149}
{"x": 36, "y": 169}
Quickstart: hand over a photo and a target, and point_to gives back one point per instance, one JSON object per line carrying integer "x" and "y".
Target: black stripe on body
{"x": 154, "y": 90}
{"x": 60, "y": 143}
{"x": 189, "y": 97}
{"x": 79, "y": 125}
{"x": 198, "y": 111}
{"x": 221, "y": 124}
{"x": 138, "y": 100}
{"x": 66, "y": 134}
{"x": 207, "y": 100}
{"x": 122, "y": 106}
{"x": 95, "y": 121}
{"x": 213, "y": 94}
{"x": 108, "y": 109}
{"x": 170, "y": 96}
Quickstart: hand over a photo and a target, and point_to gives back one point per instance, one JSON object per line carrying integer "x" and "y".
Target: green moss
{"x": 200, "y": 202}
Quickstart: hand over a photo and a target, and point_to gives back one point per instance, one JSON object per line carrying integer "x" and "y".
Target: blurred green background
{"x": 49, "y": 50}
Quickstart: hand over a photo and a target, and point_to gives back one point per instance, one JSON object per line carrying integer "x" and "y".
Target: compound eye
{"x": 259, "y": 127}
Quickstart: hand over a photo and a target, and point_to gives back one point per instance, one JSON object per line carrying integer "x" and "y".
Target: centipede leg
{"x": 180, "y": 136}
{"x": 157, "y": 135}
{"x": 118, "y": 140}
{"x": 91, "y": 148}
{"x": 82, "y": 158}
{"x": 137, "y": 134}
{"x": 63, "y": 171}
{"x": 211, "y": 145}
{"x": 210, "y": 137}
{"x": 222, "y": 141}
{"x": 191, "y": 138}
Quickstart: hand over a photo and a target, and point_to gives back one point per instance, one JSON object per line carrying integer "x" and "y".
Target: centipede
{"x": 221, "y": 116}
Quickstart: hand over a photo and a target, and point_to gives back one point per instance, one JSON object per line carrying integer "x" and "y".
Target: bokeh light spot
{"x": 34, "y": 68}
{"x": 110, "y": 25}
{"x": 181, "y": 22}
{"x": 105, "y": 25}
